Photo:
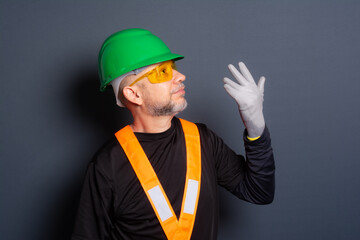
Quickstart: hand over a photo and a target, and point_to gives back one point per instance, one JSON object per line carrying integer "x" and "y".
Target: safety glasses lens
{"x": 162, "y": 73}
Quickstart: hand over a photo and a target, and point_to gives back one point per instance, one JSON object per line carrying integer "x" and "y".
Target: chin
{"x": 170, "y": 109}
{"x": 180, "y": 106}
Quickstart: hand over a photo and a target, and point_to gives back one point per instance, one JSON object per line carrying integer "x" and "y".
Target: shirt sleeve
{"x": 251, "y": 179}
{"x": 93, "y": 220}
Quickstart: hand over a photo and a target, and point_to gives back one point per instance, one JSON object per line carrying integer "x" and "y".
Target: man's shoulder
{"x": 108, "y": 153}
{"x": 109, "y": 146}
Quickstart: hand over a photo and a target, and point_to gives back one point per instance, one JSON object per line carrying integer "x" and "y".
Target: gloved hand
{"x": 249, "y": 98}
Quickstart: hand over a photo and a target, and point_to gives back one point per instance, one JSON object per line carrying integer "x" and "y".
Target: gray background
{"x": 53, "y": 118}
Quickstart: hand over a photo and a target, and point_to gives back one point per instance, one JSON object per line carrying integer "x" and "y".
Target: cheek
{"x": 163, "y": 95}
{"x": 162, "y": 89}
{"x": 159, "y": 92}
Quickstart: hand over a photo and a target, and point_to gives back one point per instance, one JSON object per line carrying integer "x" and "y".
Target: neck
{"x": 151, "y": 124}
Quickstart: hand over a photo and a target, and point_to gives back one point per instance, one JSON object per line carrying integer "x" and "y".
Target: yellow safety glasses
{"x": 161, "y": 73}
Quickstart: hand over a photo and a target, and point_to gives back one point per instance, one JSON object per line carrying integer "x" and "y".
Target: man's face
{"x": 166, "y": 98}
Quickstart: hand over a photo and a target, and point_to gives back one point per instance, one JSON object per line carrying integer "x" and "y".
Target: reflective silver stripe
{"x": 191, "y": 195}
{"x": 160, "y": 203}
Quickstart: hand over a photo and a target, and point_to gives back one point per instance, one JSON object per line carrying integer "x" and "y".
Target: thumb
{"x": 261, "y": 84}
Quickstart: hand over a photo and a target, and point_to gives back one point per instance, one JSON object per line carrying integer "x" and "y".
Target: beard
{"x": 167, "y": 109}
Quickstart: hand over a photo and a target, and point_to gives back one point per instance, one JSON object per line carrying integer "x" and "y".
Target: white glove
{"x": 249, "y": 98}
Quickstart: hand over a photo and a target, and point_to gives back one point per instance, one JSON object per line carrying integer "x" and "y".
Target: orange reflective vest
{"x": 173, "y": 228}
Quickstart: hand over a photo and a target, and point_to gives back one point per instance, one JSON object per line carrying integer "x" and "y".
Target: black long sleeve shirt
{"x": 113, "y": 204}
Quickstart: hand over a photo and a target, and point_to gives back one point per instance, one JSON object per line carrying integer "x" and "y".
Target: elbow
{"x": 259, "y": 198}
{"x": 268, "y": 197}
{"x": 264, "y": 197}
{"x": 267, "y": 200}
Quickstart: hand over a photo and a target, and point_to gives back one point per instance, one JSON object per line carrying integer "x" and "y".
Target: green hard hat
{"x": 128, "y": 50}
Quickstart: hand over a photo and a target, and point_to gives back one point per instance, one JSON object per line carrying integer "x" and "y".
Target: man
{"x": 157, "y": 178}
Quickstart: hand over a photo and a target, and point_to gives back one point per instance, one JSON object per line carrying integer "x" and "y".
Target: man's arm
{"x": 251, "y": 179}
{"x": 258, "y": 185}
{"x": 254, "y": 179}
{"x": 93, "y": 220}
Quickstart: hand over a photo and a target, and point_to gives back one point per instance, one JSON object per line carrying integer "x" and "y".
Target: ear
{"x": 133, "y": 94}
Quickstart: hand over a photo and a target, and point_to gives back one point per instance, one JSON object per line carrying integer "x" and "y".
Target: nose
{"x": 178, "y": 77}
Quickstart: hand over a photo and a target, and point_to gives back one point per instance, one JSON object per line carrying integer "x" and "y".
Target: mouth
{"x": 179, "y": 90}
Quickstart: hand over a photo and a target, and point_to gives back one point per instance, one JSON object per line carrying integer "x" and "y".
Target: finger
{"x": 245, "y": 72}
{"x": 232, "y": 92}
{"x": 237, "y": 75}
{"x": 261, "y": 84}
{"x": 231, "y": 82}
{"x": 235, "y": 89}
